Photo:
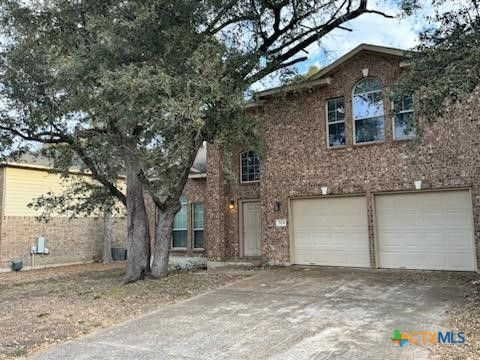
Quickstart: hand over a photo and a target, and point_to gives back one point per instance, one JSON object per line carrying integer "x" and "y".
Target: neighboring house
{"x": 68, "y": 240}
{"x": 336, "y": 186}
{"x": 79, "y": 240}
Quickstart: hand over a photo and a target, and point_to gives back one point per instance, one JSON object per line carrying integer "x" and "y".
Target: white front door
{"x": 252, "y": 243}
{"x": 331, "y": 231}
{"x": 429, "y": 230}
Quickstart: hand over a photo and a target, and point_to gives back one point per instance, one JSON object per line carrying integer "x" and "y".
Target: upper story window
{"x": 336, "y": 122}
{"x": 403, "y": 127}
{"x": 249, "y": 167}
{"x": 180, "y": 225}
{"x": 368, "y": 111}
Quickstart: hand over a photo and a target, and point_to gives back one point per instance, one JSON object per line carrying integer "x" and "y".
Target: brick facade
{"x": 223, "y": 224}
{"x": 68, "y": 241}
{"x": 298, "y": 162}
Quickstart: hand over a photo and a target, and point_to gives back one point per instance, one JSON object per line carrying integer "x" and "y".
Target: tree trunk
{"x": 138, "y": 261}
{"x": 163, "y": 239}
{"x": 107, "y": 237}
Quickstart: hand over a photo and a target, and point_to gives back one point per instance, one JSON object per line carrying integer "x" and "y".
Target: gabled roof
{"x": 200, "y": 164}
{"x": 383, "y": 50}
{"x": 322, "y": 78}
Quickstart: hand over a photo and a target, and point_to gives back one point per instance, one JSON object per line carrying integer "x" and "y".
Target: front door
{"x": 252, "y": 243}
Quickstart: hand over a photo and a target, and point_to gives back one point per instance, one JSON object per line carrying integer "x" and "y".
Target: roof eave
{"x": 309, "y": 84}
{"x": 197, "y": 176}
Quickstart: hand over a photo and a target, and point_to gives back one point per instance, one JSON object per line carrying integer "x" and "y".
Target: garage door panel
{"x": 331, "y": 231}
{"x": 393, "y": 220}
{"x": 457, "y": 199}
{"x": 461, "y": 218}
{"x": 397, "y": 240}
{"x": 309, "y": 240}
{"x": 433, "y": 218}
{"x": 458, "y": 240}
{"x": 458, "y": 260}
{"x": 435, "y": 239}
{"x": 332, "y": 257}
{"x": 417, "y": 260}
{"x": 439, "y": 235}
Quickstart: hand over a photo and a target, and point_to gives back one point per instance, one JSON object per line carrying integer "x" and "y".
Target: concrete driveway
{"x": 289, "y": 313}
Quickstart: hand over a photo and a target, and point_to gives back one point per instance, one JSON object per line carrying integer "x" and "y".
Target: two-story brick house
{"x": 342, "y": 183}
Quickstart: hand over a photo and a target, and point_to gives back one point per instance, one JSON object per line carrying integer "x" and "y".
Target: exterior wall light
{"x": 324, "y": 190}
{"x": 418, "y": 184}
{"x": 231, "y": 205}
{"x": 277, "y": 206}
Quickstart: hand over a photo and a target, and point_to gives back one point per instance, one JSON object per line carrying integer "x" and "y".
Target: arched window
{"x": 249, "y": 167}
{"x": 368, "y": 111}
{"x": 180, "y": 225}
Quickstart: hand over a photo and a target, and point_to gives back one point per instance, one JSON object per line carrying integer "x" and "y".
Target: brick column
{"x": 216, "y": 206}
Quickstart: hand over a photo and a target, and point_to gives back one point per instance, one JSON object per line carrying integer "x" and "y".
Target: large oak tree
{"x": 135, "y": 87}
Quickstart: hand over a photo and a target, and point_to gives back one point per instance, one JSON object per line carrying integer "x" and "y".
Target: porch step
{"x": 244, "y": 263}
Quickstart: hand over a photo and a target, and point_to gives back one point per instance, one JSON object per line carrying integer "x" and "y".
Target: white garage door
{"x": 430, "y": 230}
{"x": 330, "y": 231}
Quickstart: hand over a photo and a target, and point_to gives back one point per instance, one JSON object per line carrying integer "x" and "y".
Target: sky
{"x": 372, "y": 29}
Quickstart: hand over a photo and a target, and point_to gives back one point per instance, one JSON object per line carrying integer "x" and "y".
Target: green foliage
{"x": 119, "y": 82}
{"x": 445, "y": 68}
{"x": 113, "y": 83}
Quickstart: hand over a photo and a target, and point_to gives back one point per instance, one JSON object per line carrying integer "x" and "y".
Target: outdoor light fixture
{"x": 418, "y": 184}
{"x": 231, "y": 205}
{"x": 277, "y": 206}
{"x": 324, "y": 190}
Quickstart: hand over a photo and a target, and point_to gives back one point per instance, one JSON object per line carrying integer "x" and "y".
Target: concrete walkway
{"x": 294, "y": 313}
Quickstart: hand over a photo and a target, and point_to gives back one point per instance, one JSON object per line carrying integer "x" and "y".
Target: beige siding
{"x": 22, "y": 186}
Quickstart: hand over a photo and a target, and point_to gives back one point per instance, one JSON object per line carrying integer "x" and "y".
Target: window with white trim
{"x": 198, "y": 223}
{"x": 336, "y": 122}
{"x": 368, "y": 111}
{"x": 249, "y": 167}
{"x": 180, "y": 225}
{"x": 403, "y": 126}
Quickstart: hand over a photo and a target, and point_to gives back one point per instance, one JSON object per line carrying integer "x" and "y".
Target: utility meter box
{"x": 41, "y": 245}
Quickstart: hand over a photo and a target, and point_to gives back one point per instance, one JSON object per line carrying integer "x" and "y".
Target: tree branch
{"x": 58, "y": 138}
{"x": 113, "y": 190}
{"x": 280, "y": 61}
{"x": 54, "y": 138}
{"x": 268, "y": 69}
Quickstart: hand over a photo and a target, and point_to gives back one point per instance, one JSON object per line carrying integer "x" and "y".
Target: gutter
{"x": 309, "y": 84}
{"x": 197, "y": 176}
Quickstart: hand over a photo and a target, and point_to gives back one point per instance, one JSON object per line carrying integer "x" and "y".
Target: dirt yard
{"x": 464, "y": 318}
{"x": 43, "y": 307}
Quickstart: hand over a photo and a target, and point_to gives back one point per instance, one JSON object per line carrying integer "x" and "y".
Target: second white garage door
{"x": 430, "y": 230}
{"x": 330, "y": 231}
